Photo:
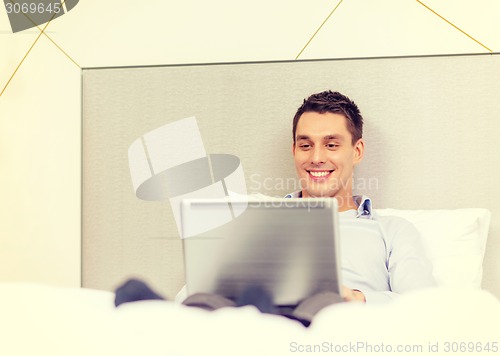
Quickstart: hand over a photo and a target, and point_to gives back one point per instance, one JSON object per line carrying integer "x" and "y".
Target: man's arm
{"x": 408, "y": 267}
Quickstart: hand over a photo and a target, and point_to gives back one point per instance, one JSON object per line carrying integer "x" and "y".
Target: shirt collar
{"x": 362, "y": 201}
{"x": 364, "y": 206}
{"x": 297, "y": 194}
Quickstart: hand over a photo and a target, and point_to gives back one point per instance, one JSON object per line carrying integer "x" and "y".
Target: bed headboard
{"x": 431, "y": 124}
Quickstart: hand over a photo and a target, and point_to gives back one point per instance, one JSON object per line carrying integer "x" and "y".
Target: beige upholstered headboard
{"x": 431, "y": 129}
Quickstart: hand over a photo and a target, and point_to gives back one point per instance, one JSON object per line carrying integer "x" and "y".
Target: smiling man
{"x": 327, "y": 144}
{"x": 383, "y": 258}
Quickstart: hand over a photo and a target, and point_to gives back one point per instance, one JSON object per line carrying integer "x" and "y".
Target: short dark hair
{"x": 334, "y": 102}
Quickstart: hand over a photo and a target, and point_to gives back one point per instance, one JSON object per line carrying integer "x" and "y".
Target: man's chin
{"x": 319, "y": 194}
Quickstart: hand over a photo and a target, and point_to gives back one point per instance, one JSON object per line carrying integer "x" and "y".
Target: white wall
{"x": 40, "y": 112}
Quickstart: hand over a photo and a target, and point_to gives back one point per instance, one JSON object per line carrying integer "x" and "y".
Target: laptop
{"x": 289, "y": 247}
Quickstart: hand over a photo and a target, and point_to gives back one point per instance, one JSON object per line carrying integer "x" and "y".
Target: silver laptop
{"x": 289, "y": 247}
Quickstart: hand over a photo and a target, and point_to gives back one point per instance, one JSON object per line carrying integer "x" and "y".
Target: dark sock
{"x": 258, "y": 297}
{"x": 134, "y": 290}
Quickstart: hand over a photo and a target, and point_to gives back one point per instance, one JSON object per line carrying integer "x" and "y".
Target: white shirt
{"x": 382, "y": 256}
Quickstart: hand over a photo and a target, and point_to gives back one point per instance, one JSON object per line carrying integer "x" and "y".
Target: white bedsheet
{"x": 45, "y": 320}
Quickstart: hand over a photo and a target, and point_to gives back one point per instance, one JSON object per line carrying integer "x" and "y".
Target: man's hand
{"x": 353, "y": 295}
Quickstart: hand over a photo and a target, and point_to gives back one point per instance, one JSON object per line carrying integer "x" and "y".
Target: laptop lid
{"x": 289, "y": 247}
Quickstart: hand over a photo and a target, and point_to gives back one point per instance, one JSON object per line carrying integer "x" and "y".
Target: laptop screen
{"x": 289, "y": 247}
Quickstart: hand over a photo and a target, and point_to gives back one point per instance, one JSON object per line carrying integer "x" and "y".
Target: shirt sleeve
{"x": 408, "y": 266}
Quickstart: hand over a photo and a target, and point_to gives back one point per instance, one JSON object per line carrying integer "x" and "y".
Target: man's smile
{"x": 319, "y": 174}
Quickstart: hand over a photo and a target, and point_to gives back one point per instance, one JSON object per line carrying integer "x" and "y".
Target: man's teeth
{"x": 319, "y": 174}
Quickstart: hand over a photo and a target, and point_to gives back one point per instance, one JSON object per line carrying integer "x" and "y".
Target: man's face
{"x": 324, "y": 155}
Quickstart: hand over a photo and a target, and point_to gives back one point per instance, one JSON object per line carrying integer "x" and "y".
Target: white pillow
{"x": 455, "y": 241}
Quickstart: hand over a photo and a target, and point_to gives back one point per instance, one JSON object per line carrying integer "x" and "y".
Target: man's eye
{"x": 305, "y": 146}
{"x": 332, "y": 145}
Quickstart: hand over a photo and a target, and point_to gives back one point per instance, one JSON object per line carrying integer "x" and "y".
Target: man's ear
{"x": 359, "y": 150}
{"x": 293, "y": 149}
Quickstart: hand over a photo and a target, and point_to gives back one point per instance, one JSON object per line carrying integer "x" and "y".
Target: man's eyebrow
{"x": 325, "y": 138}
{"x": 333, "y": 137}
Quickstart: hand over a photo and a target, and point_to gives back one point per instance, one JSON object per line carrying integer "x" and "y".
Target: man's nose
{"x": 318, "y": 155}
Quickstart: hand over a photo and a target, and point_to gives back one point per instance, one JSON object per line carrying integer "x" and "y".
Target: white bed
{"x": 44, "y": 320}
{"x": 457, "y": 316}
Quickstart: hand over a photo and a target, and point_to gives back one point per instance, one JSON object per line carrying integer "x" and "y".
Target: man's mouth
{"x": 319, "y": 174}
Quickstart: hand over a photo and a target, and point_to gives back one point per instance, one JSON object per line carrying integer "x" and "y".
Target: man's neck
{"x": 350, "y": 204}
